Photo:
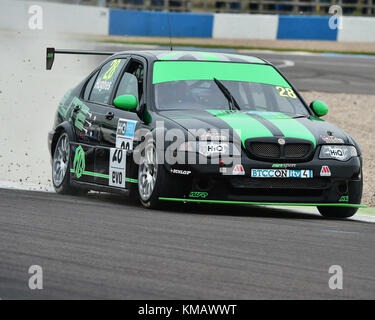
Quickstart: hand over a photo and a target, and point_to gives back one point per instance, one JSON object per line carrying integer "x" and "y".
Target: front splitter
{"x": 265, "y": 203}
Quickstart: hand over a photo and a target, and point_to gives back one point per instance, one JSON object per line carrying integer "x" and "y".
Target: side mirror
{"x": 319, "y": 107}
{"x": 126, "y": 101}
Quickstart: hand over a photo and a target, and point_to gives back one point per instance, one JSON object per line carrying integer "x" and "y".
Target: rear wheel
{"x": 61, "y": 168}
{"x": 355, "y": 197}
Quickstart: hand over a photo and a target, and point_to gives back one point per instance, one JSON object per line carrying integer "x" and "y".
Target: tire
{"x": 150, "y": 171}
{"x": 355, "y": 196}
{"x": 61, "y": 168}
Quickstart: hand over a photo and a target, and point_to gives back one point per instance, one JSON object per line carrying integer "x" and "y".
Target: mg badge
{"x": 281, "y": 141}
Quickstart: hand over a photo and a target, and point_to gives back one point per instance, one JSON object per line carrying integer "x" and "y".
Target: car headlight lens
{"x": 341, "y": 153}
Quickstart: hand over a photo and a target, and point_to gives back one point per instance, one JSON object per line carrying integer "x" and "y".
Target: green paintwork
{"x": 79, "y": 162}
{"x": 344, "y": 199}
{"x": 248, "y": 58}
{"x": 266, "y": 203}
{"x": 198, "y": 194}
{"x": 170, "y": 55}
{"x": 320, "y": 108}
{"x": 100, "y": 175}
{"x": 291, "y": 128}
{"x": 208, "y": 56}
{"x": 249, "y": 127}
{"x": 126, "y": 101}
{"x": 166, "y": 71}
{"x": 246, "y": 127}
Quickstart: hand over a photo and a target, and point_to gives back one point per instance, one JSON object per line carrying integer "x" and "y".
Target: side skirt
{"x": 97, "y": 187}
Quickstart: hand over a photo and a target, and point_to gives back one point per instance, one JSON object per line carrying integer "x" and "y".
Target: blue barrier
{"x": 305, "y": 28}
{"x": 153, "y": 23}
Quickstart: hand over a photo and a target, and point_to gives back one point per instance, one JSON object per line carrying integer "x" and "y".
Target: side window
{"x": 106, "y": 80}
{"x": 132, "y": 81}
{"x": 128, "y": 85}
{"x": 90, "y": 83}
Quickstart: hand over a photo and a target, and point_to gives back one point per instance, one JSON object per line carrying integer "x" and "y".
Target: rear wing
{"x": 50, "y": 54}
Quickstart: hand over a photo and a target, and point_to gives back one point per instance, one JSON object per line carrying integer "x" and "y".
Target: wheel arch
{"x": 63, "y": 127}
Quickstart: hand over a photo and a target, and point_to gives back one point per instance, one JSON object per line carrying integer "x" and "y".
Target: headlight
{"x": 210, "y": 149}
{"x": 341, "y": 153}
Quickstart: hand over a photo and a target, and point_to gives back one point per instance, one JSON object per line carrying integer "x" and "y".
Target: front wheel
{"x": 153, "y": 179}
{"x": 355, "y": 197}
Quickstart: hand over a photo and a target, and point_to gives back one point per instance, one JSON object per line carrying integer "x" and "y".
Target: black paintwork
{"x": 102, "y": 136}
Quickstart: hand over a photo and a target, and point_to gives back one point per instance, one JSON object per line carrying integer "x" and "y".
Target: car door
{"x": 94, "y": 104}
{"x": 122, "y": 125}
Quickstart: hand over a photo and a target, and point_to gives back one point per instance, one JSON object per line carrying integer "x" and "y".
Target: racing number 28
{"x": 286, "y": 92}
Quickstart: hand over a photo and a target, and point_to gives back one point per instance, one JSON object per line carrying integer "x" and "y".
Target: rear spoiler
{"x": 50, "y": 54}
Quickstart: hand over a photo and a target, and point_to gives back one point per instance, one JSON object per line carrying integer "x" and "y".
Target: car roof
{"x": 166, "y": 55}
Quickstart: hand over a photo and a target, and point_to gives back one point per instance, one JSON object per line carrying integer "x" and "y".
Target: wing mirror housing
{"x": 126, "y": 102}
{"x": 319, "y": 107}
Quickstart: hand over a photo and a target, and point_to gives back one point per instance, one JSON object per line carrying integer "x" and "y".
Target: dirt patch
{"x": 356, "y": 115}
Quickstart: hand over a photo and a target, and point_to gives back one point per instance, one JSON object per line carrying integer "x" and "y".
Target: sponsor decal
{"x": 281, "y": 173}
{"x": 103, "y": 85}
{"x": 117, "y": 167}
{"x": 284, "y": 165}
{"x": 332, "y": 139}
{"x": 344, "y": 199}
{"x": 125, "y": 134}
{"x": 325, "y": 171}
{"x": 183, "y": 172}
{"x": 79, "y": 162}
{"x": 81, "y": 116}
{"x": 238, "y": 170}
{"x": 198, "y": 194}
{"x": 117, "y": 156}
{"x": 211, "y": 148}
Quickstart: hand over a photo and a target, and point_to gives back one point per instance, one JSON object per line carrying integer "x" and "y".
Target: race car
{"x": 199, "y": 127}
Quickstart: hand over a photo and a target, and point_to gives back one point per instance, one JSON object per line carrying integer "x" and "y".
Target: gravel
{"x": 356, "y": 115}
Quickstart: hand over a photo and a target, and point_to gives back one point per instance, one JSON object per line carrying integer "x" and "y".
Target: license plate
{"x": 281, "y": 173}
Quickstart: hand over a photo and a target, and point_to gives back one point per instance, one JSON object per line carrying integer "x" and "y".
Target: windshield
{"x": 192, "y": 85}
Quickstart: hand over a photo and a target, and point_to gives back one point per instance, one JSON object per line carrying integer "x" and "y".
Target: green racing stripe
{"x": 247, "y": 125}
{"x": 100, "y": 175}
{"x": 291, "y": 128}
{"x": 266, "y": 203}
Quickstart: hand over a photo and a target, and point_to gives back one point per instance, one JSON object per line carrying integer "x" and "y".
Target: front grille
{"x": 264, "y": 183}
{"x": 266, "y": 150}
{"x": 296, "y": 150}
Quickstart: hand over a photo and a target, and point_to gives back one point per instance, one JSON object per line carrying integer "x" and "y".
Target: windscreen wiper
{"x": 232, "y": 101}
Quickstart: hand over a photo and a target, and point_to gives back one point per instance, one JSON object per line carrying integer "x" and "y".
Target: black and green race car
{"x": 184, "y": 126}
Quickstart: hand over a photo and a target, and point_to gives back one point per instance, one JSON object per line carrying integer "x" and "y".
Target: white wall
{"x": 245, "y": 26}
{"x": 361, "y": 29}
{"x": 60, "y": 18}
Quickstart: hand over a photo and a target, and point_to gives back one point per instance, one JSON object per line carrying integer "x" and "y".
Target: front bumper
{"x": 205, "y": 183}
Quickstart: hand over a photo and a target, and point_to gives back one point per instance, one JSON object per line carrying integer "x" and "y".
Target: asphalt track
{"x": 326, "y": 73}
{"x": 102, "y": 246}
